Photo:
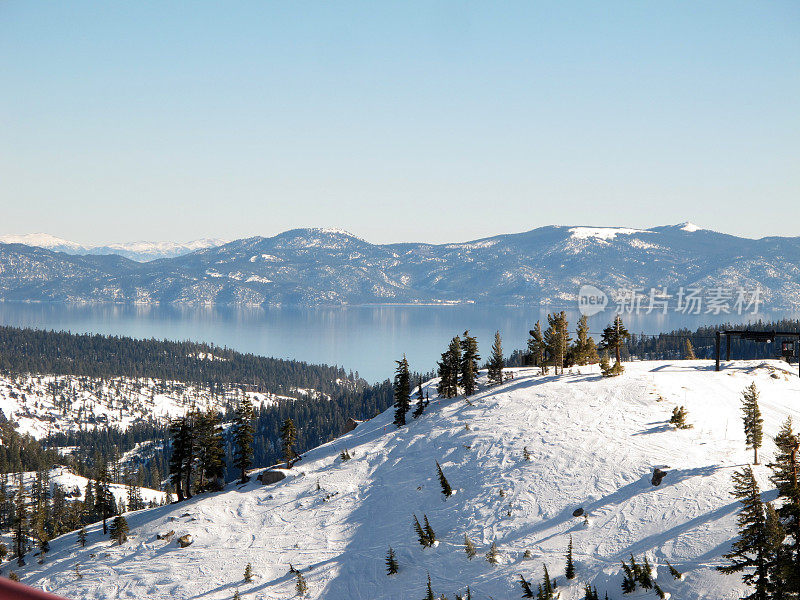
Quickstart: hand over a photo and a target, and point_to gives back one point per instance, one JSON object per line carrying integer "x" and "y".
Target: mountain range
{"x": 313, "y": 267}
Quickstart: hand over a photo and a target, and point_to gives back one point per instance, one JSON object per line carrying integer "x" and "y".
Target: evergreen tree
{"x": 751, "y": 417}
{"x": 469, "y": 547}
{"x": 492, "y": 555}
{"x": 82, "y": 537}
{"x": 211, "y": 450}
{"x": 134, "y": 491}
{"x": 585, "y": 347}
{"x": 20, "y": 522}
{"x": 446, "y": 489}
{"x": 288, "y": 438}
{"x": 469, "y": 364}
{"x": 786, "y": 477}
{"x": 590, "y": 593}
{"x": 570, "y": 570}
{"x": 547, "y": 592}
{"x": 496, "y": 361}
{"x": 429, "y": 590}
{"x": 421, "y": 535}
{"x": 181, "y": 458}
{"x": 605, "y": 365}
{"x": 105, "y": 504}
{"x": 420, "y": 400}
{"x": 630, "y": 579}
{"x": 556, "y": 339}
{"x": 525, "y": 454}
{"x": 646, "y": 575}
{"x": 243, "y": 438}
{"x": 429, "y": 533}
{"x": 613, "y": 337}
{"x": 674, "y": 572}
{"x": 688, "y": 350}
{"x": 391, "y": 563}
{"x": 119, "y": 530}
{"x": 248, "y": 573}
{"x": 402, "y": 392}
{"x": 537, "y": 348}
{"x": 449, "y": 369}
{"x": 527, "y": 592}
{"x": 750, "y": 553}
{"x": 779, "y": 567}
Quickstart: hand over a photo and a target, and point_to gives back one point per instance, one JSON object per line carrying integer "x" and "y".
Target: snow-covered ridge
{"x": 139, "y": 250}
{"x": 602, "y": 233}
{"x": 593, "y": 444}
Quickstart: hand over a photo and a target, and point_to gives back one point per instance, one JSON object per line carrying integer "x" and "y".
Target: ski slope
{"x": 593, "y": 443}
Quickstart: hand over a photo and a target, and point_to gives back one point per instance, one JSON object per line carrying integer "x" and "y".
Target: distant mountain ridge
{"x": 314, "y": 267}
{"x": 138, "y": 251}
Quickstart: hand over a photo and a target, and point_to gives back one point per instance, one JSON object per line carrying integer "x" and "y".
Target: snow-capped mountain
{"x": 593, "y": 445}
{"x": 542, "y": 267}
{"x": 138, "y": 251}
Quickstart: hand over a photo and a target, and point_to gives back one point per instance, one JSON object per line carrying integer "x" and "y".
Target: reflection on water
{"x": 366, "y": 339}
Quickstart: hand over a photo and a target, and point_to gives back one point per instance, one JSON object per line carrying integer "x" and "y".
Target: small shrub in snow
{"x": 678, "y": 419}
{"x": 236, "y": 595}
{"x": 248, "y": 573}
{"x": 300, "y": 585}
{"x": 12, "y": 575}
{"x": 502, "y": 493}
{"x": 344, "y": 455}
{"x": 429, "y": 590}
{"x": 527, "y": 555}
{"x": 525, "y": 454}
{"x": 78, "y": 574}
{"x": 82, "y": 536}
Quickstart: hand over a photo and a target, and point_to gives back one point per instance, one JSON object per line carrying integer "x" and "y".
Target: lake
{"x": 367, "y": 339}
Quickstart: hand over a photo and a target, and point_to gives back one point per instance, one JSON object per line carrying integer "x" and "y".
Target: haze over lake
{"x": 367, "y": 339}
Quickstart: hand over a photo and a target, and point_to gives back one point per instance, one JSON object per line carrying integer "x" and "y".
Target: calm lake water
{"x": 366, "y": 339}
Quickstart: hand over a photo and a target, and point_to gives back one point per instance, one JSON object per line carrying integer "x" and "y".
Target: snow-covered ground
{"x": 42, "y": 405}
{"x": 593, "y": 443}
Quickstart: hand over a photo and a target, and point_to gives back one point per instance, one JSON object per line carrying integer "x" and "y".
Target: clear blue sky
{"x": 397, "y": 120}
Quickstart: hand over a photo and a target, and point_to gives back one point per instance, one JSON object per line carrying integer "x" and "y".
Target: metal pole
{"x": 717, "y": 348}
{"x": 727, "y": 347}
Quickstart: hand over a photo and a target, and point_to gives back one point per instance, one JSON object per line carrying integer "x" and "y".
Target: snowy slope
{"x": 42, "y": 405}
{"x": 594, "y": 443}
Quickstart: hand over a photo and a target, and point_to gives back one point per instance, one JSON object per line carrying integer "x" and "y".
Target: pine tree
{"x": 469, "y": 547}
{"x": 243, "y": 438}
{"x": 429, "y": 533}
{"x": 248, "y": 573}
{"x": 402, "y": 392}
{"x": 751, "y": 417}
{"x": 613, "y": 337}
{"x": 491, "y": 555}
{"x": 20, "y": 522}
{"x": 659, "y": 592}
{"x": 211, "y": 454}
{"x": 469, "y": 363}
{"x": 556, "y": 339}
{"x": 547, "y": 586}
{"x": 786, "y": 477}
{"x": 449, "y": 369}
{"x": 236, "y": 595}
{"x": 688, "y": 350}
{"x": 300, "y": 586}
{"x": 420, "y": 400}
{"x": 119, "y": 530}
{"x": 496, "y": 362}
{"x": 629, "y": 581}
{"x": 646, "y": 575}
{"x": 288, "y": 439}
{"x": 180, "y": 462}
{"x": 446, "y": 489}
{"x": 779, "y": 567}
{"x": 585, "y": 347}
{"x": 750, "y": 553}
{"x": 527, "y": 592}
{"x": 570, "y": 570}
{"x": 104, "y": 500}
{"x": 134, "y": 491}
{"x": 605, "y": 365}
{"x": 429, "y": 590}
{"x": 423, "y": 539}
{"x": 391, "y": 563}
{"x": 674, "y": 572}
{"x": 537, "y": 348}
{"x": 82, "y": 537}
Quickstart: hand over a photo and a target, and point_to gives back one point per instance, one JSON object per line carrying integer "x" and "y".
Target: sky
{"x": 397, "y": 121}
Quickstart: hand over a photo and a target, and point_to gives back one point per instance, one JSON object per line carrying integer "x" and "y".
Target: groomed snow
{"x": 594, "y": 443}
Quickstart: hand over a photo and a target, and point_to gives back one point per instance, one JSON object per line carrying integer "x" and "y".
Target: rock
{"x": 351, "y": 424}
{"x": 270, "y": 476}
{"x": 658, "y": 475}
{"x": 578, "y": 512}
{"x": 165, "y": 536}
{"x": 185, "y": 540}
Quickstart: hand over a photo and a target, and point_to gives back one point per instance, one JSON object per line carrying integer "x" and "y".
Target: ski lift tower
{"x": 790, "y": 348}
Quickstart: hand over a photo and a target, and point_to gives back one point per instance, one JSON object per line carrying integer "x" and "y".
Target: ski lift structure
{"x": 789, "y": 348}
